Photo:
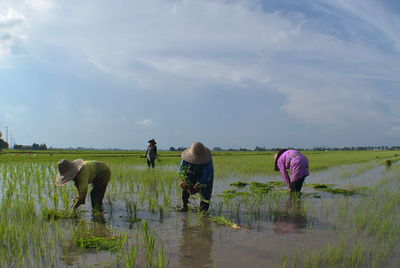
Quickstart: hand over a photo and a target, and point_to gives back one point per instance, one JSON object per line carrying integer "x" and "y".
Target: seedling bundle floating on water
{"x": 222, "y": 220}
{"x": 112, "y": 244}
{"x": 330, "y": 189}
{"x": 53, "y": 214}
{"x": 239, "y": 184}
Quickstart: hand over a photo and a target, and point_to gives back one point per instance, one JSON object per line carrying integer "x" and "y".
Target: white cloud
{"x": 145, "y": 122}
{"x": 12, "y": 26}
{"x": 324, "y": 78}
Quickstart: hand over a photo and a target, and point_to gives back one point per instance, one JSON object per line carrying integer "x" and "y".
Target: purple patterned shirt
{"x": 296, "y": 162}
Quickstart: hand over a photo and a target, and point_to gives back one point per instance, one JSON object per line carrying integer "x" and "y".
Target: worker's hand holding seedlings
{"x": 197, "y": 173}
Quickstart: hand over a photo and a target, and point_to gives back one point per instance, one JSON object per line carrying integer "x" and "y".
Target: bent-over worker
{"x": 198, "y": 172}
{"x": 298, "y": 165}
{"x": 83, "y": 173}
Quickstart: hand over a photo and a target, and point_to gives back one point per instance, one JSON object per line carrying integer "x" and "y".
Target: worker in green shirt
{"x": 84, "y": 173}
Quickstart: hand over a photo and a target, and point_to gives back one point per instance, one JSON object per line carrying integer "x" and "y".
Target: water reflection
{"x": 291, "y": 218}
{"x": 196, "y": 242}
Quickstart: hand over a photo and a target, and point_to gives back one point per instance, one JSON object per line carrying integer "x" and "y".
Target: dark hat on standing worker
{"x": 276, "y": 157}
{"x": 152, "y": 141}
{"x": 68, "y": 170}
{"x": 197, "y": 154}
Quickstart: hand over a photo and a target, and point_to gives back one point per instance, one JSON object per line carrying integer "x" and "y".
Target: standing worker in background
{"x": 298, "y": 165}
{"x": 151, "y": 153}
{"x": 84, "y": 173}
{"x": 197, "y": 171}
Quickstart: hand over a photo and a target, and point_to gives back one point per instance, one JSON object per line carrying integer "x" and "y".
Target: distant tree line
{"x": 179, "y": 149}
{"x": 322, "y": 148}
{"x": 3, "y": 143}
{"x": 34, "y": 146}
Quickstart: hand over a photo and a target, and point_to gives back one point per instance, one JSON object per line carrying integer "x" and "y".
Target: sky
{"x": 228, "y": 73}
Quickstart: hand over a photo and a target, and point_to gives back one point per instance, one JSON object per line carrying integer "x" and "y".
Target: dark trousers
{"x": 296, "y": 185}
{"x": 204, "y": 205}
{"x": 151, "y": 162}
{"x": 97, "y": 195}
{"x": 205, "y": 193}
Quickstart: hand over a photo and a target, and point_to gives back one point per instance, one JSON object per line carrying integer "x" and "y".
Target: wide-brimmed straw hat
{"x": 152, "y": 141}
{"x": 197, "y": 154}
{"x": 276, "y": 157}
{"x": 68, "y": 170}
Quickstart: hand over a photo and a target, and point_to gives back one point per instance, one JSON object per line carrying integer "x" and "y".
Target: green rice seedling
{"x": 130, "y": 258}
{"x": 320, "y": 185}
{"x": 239, "y": 184}
{"x": 167, "y": 200}
{"x": 260, "y": 188}
{"x": 230, "y": 191}
{"x": 219, "y": 207}
{"x": 112, "y": 244}
{"x": 149, "y": 242}
{"x": 340, "y": 191}
{"x": 161, "y": 259}
{"x": 54, "y": 214}
{"x": 311, "y": 195}
{"x": 329, "y": 189}
{"x": 222, "y": 220}
{"x": 276, "y": 183}
{"x": 229, "y": 194}
{"x": 388, "y": 163}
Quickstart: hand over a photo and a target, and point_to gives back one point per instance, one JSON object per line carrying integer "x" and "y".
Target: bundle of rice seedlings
{"x": 260, "y": 188}
{"x": 112, "y": 244}
{"x": 276, "y": 183}
{"x": 329, "y": 188}
{"x": 320, "y": 185}
{"x": 239, "y": 184}
{"x": 222, "y": 220}
{"x": 53, "y": 214}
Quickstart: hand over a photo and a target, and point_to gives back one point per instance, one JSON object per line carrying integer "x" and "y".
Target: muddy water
{"x": 286, "y": 228}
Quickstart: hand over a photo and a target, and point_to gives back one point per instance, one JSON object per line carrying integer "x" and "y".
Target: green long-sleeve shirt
{"x": 92, "y": 172}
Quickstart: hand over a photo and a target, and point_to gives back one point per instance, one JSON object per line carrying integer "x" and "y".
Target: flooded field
{"x": 347, "y": 216}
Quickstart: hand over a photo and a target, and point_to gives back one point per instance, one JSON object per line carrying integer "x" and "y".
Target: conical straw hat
{"x": 196, "y": 154}
{"x": 68, "y": 170}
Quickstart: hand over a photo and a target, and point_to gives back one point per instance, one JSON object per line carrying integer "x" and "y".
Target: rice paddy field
{"x": 347, "y": 216}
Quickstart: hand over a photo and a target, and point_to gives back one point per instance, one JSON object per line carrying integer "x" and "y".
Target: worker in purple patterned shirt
{"x": 298, "y": 165}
